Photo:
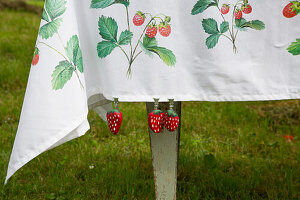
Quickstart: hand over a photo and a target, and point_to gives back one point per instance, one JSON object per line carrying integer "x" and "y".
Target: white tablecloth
{"x": 91, "y": 51}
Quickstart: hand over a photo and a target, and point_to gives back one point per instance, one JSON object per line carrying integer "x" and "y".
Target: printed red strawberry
{"x": 36, "y": 56}
{"x": 164, "y": 29}
{"x": 171, "y": 120}
{"x": 225, "y": 9}
{"x": 247, "y": 8}
{"x": 155, "y": 120}
{"x": 139, "y": 18}
{"x": 114, "y": 119}
{"x": 238, "y": 14}
{"x": 151, "y": 31}
{"x": 292, "y": 9}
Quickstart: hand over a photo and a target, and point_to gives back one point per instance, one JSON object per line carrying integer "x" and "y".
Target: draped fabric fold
{"x": 88, "y": 52}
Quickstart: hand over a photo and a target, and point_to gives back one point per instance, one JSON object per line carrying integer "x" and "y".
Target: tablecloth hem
{"x": 199, "y": 97}
{"x": 80, "y": 127}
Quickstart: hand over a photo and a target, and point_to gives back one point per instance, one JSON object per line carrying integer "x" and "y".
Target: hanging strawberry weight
{"x": 155, "y": 118}
{"x": 171, "y": 119}
{"x": 114, "y": 118}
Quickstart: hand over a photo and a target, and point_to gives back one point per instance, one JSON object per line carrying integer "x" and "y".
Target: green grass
{"x": 251, "y": 159}
{"x": 36, "y": 3}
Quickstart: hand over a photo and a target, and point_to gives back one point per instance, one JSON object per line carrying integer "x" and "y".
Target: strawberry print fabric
{"x": 88, "y": 52}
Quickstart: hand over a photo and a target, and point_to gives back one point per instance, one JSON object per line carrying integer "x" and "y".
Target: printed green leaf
{"x": 49, "y": 29}
{"x": 202, "y": 5}
{"x": 125, "y": 37}
{"x": 105, "y": 48}
{"x": 54, "y": 8}
{"x": 108, "y": 28}
{"x": 124, "y": 2}
{"x": 212, "y": 4}
{"x": 106, "y": 3}
{"x": 239, "y": 24}
{"x": 61, "y": 74}
{"x": 224, "y": 27}
{"x": 74, "y": 53}
{"x": 210, "y": 26}
{"x": 148, "y": 43}
{"x": 255, "y": 24}
{"x": 101, "y": 3}
{"x": 145, "y": 50}
{"x": 166, "y": 55}
{"x": 45, "y": 16}
{"x": 294, "y": 48}
{"x": 212, "y": 40}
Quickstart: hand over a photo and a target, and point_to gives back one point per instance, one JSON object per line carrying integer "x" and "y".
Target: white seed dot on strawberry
{"x": 117, "y": 120}
{"x": 152, "y": 126}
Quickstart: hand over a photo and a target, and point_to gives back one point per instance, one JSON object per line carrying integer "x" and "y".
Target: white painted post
{"x": 165, "y": 150}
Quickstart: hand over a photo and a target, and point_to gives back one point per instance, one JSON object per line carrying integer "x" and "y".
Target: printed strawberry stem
{"x": 132, "y": 52}
{"x": 52, "y": 48}
{"x": 232, "y": 38}
{"x": 133, "y": 57}
{"x": 232, "y": 25}
{"x": 123, "y": 50}
{"x": 127, "y": 13}
{"x": 76, "y": 72}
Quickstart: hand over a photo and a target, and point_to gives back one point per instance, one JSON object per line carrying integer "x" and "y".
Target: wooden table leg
{"x": 165, "y": 150}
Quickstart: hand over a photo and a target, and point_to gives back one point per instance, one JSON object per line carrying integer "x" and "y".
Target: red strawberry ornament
{"x": 225, "y": 9}
{"x": 238, "y": 14}
{"x": 171, "y": 121}
{"x": 164, "y": 29}
{"x": 114, "y": 118}
{"x": 139, "y": 18}
{"x": 155, "y": 119}
{"x": 151, "y": 31}
{"x": 36, "y": 56}
{"x": 292, "y": 9}
{"x": 246, "y": 8}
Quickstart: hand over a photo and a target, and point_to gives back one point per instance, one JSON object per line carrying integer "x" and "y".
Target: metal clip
{"x": 116, "y": 101}
{"x": 171, "y": 101}
{"x": 156, "y": 103}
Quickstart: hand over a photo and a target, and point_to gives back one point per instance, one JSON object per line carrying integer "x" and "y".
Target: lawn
{"x": 246, "y": 139}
